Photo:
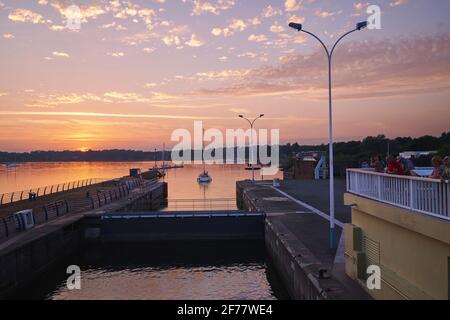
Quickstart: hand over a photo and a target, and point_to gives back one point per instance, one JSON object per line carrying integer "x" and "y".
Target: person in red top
{"x": 394, "y": 166}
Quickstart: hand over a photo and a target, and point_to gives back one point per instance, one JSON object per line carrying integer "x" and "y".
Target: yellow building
{"x": 401, "y": 225}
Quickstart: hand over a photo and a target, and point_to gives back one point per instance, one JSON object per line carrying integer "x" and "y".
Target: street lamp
{"x": 252, "y": 154}
{"x": 299, "y": 27}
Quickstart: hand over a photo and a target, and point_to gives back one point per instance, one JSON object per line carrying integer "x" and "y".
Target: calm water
{"x": 182, "y": 182}
{"x": 183, "y": 271}
{"x": 213, "y": 271}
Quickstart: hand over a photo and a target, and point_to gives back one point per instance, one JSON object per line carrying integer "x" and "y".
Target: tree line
{"x": 351, "y": 151}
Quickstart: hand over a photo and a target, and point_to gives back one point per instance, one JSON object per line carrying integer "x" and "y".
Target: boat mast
{"x": 203, "y": 151}
{"x": 164, "y": 155}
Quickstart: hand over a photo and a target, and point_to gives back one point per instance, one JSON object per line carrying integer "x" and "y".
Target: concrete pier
{"x": 29, "y": 253}
{"x": 296, "y": 237}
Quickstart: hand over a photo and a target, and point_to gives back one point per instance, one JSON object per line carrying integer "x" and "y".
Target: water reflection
{"x": 182, "y": 182}
{"x": 219, "y": 270}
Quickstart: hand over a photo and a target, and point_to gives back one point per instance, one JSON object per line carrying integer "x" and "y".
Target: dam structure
{"x": 131, "y": 210}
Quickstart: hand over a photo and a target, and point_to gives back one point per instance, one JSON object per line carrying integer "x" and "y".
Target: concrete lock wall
{"x": 151, "y": 227}
{"x": 295, "y": 264}
{"x": 30, "y": 253}
{"x": 412, "y": 250}
{"x": 22, "y": 264}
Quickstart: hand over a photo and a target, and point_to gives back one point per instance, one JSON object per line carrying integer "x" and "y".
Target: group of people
{"x": 405, "y": 167}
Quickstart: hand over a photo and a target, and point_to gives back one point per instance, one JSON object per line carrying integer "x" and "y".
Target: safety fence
{"x": 9, "y": 225}
{"x": 16, "y": 196}
{"x": 227, "y": 204}
{"x": 426, "y": 196}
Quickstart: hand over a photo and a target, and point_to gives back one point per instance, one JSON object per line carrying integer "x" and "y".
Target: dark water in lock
{"x": 192, "y": 271}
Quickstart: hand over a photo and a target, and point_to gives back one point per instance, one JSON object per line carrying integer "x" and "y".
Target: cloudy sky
{"x": 137, "y": 70}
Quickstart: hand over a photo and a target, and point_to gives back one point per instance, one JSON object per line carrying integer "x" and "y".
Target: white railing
{"x": 423, "y": 195}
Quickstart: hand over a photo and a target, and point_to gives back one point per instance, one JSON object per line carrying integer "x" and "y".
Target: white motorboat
{"x": 204, "y": 177}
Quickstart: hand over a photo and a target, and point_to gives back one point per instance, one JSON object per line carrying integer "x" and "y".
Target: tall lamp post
{"x": 299, "y": 27}
{"x": 252, "y": 123}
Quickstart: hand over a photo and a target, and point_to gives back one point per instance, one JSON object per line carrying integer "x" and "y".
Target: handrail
{"x": 423, "y": 195}
{"x": 53, "y": 210}
{"x": 227, "y": 204}
{"x": 15, "y": 196}
{"x": 369, "y": 171}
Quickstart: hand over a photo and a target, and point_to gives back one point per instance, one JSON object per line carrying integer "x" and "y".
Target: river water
{"x": 182, "y": 182}
{"x": 154, "y": 272}
{"x": 213, "y": 271}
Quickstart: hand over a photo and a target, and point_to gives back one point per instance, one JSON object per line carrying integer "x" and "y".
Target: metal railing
{"x": 423, "y": 195}
{"x": 54, "y": 210}
{"x": 16, "y": 196}
{"x": 227, "y": 204}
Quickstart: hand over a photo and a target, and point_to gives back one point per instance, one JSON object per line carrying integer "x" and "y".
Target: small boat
{"x": 11, "y": 165}
{"x": 249, "y": 168}
{"x": 204, "y": 177}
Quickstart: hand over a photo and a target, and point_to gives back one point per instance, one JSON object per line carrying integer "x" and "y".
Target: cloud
{"x": 171, "y": 40}
{"x": 276, "y": 28}
{"x": 221, "y": 75}
{"x": 126, "y": 97}
{"x": 116, "y": 54}
{"x": 194, "y": 41}
{"x": 292, "y": 5}
{"x": 139, "y": 38}
{"x": 397, "y": 3}
{"x": 216, "y": 31}
{"x": 216, "y": 7}
{"x": 60, "y": 54}
{"x": 360, "y": 6}
{"x": 113, "y": 25}
{"x": 57, "y": 28}
{"x": 390, "y": 67}
{"x": 325, "y": 14}
{"x": 270, "y": 11}
{"x": 257, "y": 38}
{"x": 24, "y": 15}
{"x": 239, "y": 110}
{"x": 102, "y": 115}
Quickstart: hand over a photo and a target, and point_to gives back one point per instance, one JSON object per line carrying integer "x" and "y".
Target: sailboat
{"x": 159, "y": 173}
{"x": 204, "y": 177}
{"x": 165, "y": 166}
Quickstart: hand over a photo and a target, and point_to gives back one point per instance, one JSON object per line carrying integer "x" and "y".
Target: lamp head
{"x": 361, "y": 25}
{"x": 296, "y": 26}
{"x": 241, "y": 116}
{"x": 261, "y": 115}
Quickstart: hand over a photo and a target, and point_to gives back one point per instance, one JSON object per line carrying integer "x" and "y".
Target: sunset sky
{"x": 137, "y": 70}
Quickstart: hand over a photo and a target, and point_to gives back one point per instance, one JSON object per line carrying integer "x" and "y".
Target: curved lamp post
{"x": 299, "y": 27}
{"x": 251, "y": 126}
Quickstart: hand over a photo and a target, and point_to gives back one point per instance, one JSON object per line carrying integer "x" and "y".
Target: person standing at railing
{"x": 446, "y": 168}
{"x": 438, "y": 168}
{"x": 394, "y": 166}
{"x": 377, "y": 163}
{"x": 408, "y": 166}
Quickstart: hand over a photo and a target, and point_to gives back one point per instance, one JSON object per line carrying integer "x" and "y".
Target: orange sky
{"x": 137, "y": 70}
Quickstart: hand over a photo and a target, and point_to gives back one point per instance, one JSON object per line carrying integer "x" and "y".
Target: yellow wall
{"x": 414, "y": 249}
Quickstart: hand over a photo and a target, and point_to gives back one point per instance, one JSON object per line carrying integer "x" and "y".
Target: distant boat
{"x": 204, "y": 177}
{"x": 11, "y": 165}
{"x": 249, "y": 168}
